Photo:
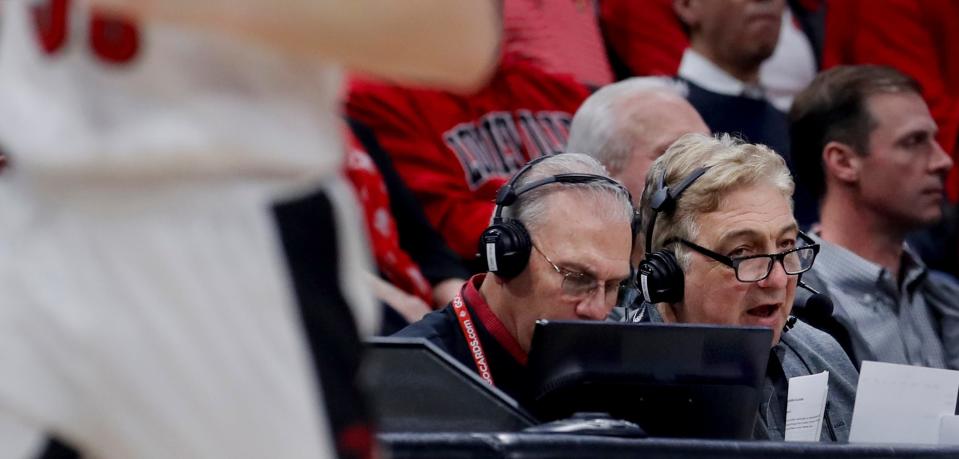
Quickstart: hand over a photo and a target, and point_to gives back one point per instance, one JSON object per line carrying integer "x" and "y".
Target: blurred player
{"x": 155, "y": 303}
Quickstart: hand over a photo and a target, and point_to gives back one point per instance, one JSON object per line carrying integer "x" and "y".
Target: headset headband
{"x": 665, "y": 199}
{"x": 507, "y": 195}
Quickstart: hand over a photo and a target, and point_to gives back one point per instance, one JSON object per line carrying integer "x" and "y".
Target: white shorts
{"x": 161, "y": 323}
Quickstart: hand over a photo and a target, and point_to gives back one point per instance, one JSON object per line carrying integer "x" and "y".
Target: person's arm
{"x": 411, "y": 307}
{"x": 444, "y": 291}
{"x": 398, "y": 118}
{"x": 417, "y": 236}
{"x": 437, "y": 42}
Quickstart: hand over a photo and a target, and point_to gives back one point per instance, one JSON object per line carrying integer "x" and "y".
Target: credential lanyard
{"x": 472, "y": 339}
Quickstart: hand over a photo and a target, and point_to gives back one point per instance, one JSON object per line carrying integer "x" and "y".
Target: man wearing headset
{"x": 558, "y": 248}
{"x": 723, "y": 247}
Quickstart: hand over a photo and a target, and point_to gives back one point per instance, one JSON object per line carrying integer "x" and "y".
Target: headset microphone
{"x": 815, "y": 310}
{"x": 818, "y": 304}
{"x": 807, "y": 287}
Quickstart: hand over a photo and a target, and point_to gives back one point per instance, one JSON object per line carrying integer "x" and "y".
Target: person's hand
{"x": 444, "y": 291}
{"x": 411, "y": 307}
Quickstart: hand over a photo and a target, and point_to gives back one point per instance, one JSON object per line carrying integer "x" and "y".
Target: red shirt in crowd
{"x": 917, "y": 37}
{"x": 455, "y": 151}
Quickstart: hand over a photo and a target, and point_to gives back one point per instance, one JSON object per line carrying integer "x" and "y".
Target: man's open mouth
{"x": 763, "y": 311}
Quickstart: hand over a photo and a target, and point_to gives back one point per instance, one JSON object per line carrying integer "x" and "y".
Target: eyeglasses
{"x": 582, "y": 285}
{"x": 754, "y": 268}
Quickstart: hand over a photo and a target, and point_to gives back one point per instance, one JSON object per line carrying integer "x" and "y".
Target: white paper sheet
{"x": 949, "y": 430}
{"x": 902, "y": 403}
{"x": 805, "y": 406}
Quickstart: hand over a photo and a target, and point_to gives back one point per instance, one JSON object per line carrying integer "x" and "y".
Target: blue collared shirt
{"x": 887, "y": 320}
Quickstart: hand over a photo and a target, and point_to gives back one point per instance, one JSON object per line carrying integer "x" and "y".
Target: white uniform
{"x": 146, "y": 309}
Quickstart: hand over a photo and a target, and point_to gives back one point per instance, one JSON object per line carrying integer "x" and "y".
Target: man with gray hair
{"x": 724, "y": 248}
{"x": 557, "y": 248}
{"x": 627, "y": 125}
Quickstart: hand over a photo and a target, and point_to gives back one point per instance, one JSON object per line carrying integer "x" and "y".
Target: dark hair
{"x": 833, "y": 108}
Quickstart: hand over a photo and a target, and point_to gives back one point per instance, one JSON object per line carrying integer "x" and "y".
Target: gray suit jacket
{"x": 803, "y": 350}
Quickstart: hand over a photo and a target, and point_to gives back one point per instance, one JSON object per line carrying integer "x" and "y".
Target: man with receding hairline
{"x": 572, "y": 269}
{"x": 865, "y": 143}
{"x": 628, "y": 124}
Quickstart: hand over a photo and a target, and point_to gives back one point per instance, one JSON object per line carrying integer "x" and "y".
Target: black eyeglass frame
{"x": 734, "y": 262}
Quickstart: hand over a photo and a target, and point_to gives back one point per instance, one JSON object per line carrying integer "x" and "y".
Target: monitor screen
{"x": 675, "y": 380}
{"x": 415, "y": 387}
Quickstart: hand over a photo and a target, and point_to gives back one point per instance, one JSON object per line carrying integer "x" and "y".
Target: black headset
{"x": 660, "y": 276}
{"x": 505, "y": 246}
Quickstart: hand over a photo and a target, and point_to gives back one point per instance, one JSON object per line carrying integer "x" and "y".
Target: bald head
{"x": 627, "y": 125}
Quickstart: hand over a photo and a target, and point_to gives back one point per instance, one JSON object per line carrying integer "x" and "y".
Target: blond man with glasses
{"x": 724, "y": 248}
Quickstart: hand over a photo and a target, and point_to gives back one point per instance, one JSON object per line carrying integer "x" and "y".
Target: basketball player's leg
{"x": 322, "y": 239}
{"x": 159, "y": 326}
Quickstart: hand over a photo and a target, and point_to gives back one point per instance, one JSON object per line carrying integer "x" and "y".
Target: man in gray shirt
{"x": 863, "y": 140}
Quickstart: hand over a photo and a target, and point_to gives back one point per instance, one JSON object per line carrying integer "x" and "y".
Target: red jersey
{"x": 455, "y": 151}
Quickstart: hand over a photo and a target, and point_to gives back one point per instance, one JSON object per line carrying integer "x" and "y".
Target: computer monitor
{"x": 676, "y": 380}
{"x": 415, "y": 387}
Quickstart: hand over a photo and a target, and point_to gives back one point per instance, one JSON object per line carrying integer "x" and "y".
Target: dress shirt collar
{"x": 700, "y": 71}
{"x": 848, "y": 270}
{"x": 485, "y": 315}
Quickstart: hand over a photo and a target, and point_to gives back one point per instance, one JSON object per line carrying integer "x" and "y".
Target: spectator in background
{"x": 575, "y": 258}
{"x": 647, "y": 38}
{"x": 627, "y": 125}
{"x": 865, "y": 143}
{"x": 455, "y": 151}
{"x": 917, "y": 37}
{"x": 417, "y": 271}
{"x": 560, "y": 36}
{"x": 729, "y": 40}
{"x": 921, "y": 39}
{"x": 727, "y": 250}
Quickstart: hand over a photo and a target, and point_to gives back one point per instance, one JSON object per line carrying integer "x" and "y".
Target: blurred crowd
{"x": 738, "y": 65}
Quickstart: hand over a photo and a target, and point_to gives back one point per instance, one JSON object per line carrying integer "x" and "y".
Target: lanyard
{"x": 472, "y": 339}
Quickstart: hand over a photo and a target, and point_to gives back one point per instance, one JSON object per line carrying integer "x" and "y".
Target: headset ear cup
{"x": 660, "y": 278}
{"x": 505, "y": 248}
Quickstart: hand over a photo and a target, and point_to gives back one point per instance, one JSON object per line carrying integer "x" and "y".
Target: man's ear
{"x": 841, "y": 162}
{"x": 687, "y": 12}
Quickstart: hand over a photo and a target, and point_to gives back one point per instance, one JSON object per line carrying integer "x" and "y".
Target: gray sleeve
{"x": 942, "y": 294}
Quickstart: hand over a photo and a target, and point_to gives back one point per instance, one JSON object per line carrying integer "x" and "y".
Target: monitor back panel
{"x": 415, "y": 387}
{"x": 673, "y": 380}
